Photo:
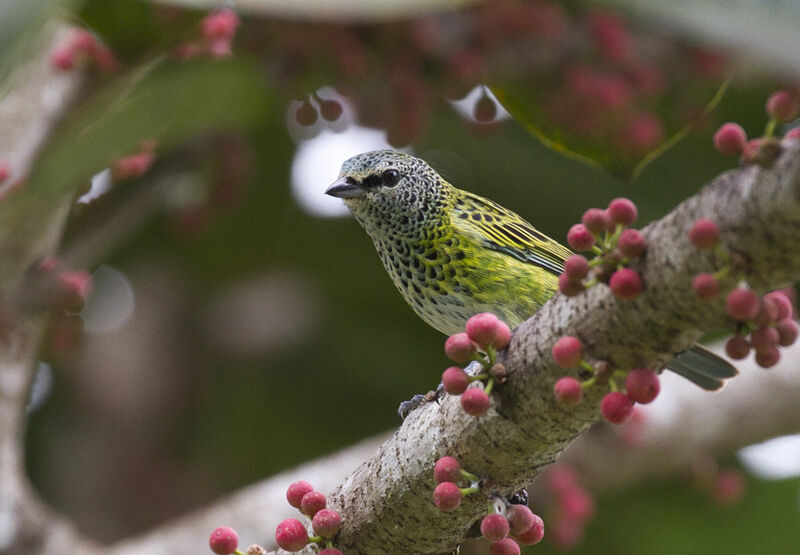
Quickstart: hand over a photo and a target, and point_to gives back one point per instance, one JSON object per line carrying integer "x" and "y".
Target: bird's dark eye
{"x": 390, "y": 177}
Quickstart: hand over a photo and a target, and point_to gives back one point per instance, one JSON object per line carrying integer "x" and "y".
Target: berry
{"x": 455, "y": 380}
{"x": 568, "y": 391}
{"x": 616, "y": 407}
{"x": 131, "y": 167}
{"x": 326, "y": 523}
{"x": 223, "y": 540}
{"x": 730, "y": 139}
{"x": 576, "y": 267}
{"x": 296, "y": 491}
{"x": 626, "y": 284}
{"x": 783, "y": 304}
{"x": 5, "y": 170}
{"x": 306, "y": 115}
{"x": 576, "y": 504}
{"x": 567, "y": 351}
{"x": 580, "y": 238}
{"x": 621, "y": 211}
{"x": 595, "y": 220}
{"x": 506, "y": 546}
{"x": 220, "y": 25}
{"x": 447, "y": 496}
{"x": 787, "y": 332}
{"x": 459, "y": 348}
{"x": 642, "y": 133}
{"x": 63, "y": 57}
{"x": 482, "y": 328}
{"x": 74, "y": 289}
{"x": 313, "y": 502}
{"x": 534, "y": 534}
{"x": 475, "y": 401}
{"x": 642, "y": 386}
{"x": 793, "y": 133}
{"x": 503, "y": 336}
{"x": 561, "y": 479}
{"x": 737, "y": 347}
{"x": 447, "y": 469}
{"x": 729, "y": 486}
{"x": 705, "y": 286}
{"x": 569, "y": 287}
{"x": 291, "y": 535}
{"x": 704, "y": 234}
{"x": 767, "y": 358}
{"x": 520, "y": 519}
{"x": 782, "y": 107}
{"x": 330, "y": 551}
{"x": 494, "y": 527}
{"x": 631, "y": 243}
{"x": 764, "y": 339}
{"x": 742, "y": 304}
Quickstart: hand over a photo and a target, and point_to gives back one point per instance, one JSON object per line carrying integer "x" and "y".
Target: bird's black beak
{"x": 345, "y": 187}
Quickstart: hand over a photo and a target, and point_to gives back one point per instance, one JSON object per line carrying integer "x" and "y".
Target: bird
{"x": 453, "y": 254}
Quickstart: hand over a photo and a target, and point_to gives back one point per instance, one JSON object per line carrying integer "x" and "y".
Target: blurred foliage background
{"x": 236, "y": 329}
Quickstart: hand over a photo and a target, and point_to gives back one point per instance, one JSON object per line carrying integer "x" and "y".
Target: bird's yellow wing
{"x": 504, "y": 231}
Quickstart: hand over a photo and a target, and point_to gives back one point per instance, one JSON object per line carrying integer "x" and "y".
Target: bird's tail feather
{"x": 703, "y": 368}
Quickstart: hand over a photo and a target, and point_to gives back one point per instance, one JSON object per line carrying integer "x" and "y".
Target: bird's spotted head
{"x": 390, "y": 193}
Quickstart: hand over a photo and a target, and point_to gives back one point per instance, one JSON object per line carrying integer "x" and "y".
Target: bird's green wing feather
{"x": 504, "y": 231}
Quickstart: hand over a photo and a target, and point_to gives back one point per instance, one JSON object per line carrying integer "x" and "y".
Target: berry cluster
{"x": 766, "y": 321}
{"x": 292, "y": 535}
{"x": 641, "y": 385}
{"x": 218, "y": 30}
{"x": 572, "y": 506}
{"x": 486, "y": 332}
{"x": 731, "y": 139}
{"x": 519, "y": 521}
{"x": 82, "y": 48}
{"x": 607, "y": 234}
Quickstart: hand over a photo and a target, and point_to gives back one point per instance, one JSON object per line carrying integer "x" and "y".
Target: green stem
{"x": 596, "y": 249}
{"x": 478, "y": 377}
{"x": 489, "y": 386}
{"x": 490, "y": 508}
{"x": 315, "y": 539}
{"x": 613, "y": 385}
{"x": 619, "y": 373}
{"x": 769, "y": 130}
{"x": 468, "y": 491}
{"x": 722, "y": 273}
{"x": 586, "y": 366}
{"x": 469, "y": 476}
{"x": 492, "y": 352}
{"x": 589, "y": 383}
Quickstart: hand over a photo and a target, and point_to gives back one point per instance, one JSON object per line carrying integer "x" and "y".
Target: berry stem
{"x": 490, "y": 508}
{"x": 586, "y": 366}
{"x": 492, "y": 352}
{"x": 315, "y": 539}
{"x": 589, "y": 383}
{"x": 613, "y": 385}
{"x": 769, "y": 130}
{"x": 468, "y": 491}
{"x": 489, "y": 386}
{"x": 722, "y": 273}
{"x": 469, "y": 476}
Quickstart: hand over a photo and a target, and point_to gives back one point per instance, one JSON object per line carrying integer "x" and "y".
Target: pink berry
{"x": 520, "y": 519}
{"x": 447, "y": 496}
{"x": 642, "y": 386}
{"x": 296, "y": 491}
{"x": 783, "y": 304}
{"x": 447, "y": 469}
{"x": 482, "y": 328}
{"x": 291, "y": 535}
{"x": 503, "y": 336}
{"x": 704, "y": 234}
{"x": 577, "y": 504}
{"x": 616, "y": 407}
{"x": 459, "y": 347}
{"x": 220, "y": 25}
{"x": 506, "y": 546}
{"x": 737, "y": 347}
{"x": 742, "y": 304}
{"x": 730, "y": 139}
{"x": 705, "y": 286}
{"x": 223, "y": 540}
{"x": 595, "y": 220}
{"x": 729, "y": 487}
{"x": 626, "y": 284}
{"x": 793, "y": 133}
{"x": 568, "y": 391}
{"x": 63, "y": 57}
{"x": 782, "y": 107}
{"x": 621, "y": 211}
{"x": 787, "y": 332}
{"x": 561, "y": 478}
{"x": 455, "y": 380}
{"x": 567, "y": 351}
{"x": 534, "y": 534}
{"x": 475, "y": 401}
{"x": 769, "y": 357}
{"x": 569, "y": 287}
{"x": 576, "y": 267}
{"x": 494, "y": 527}
{"x": 632, "y": 243}
{"x": 764, "y": 339}
{"x": 752, "y": 150}
{"x": 326, "y": 523}
{"x": 580, "y": 238}
{"x": 330, "y": 551}
{"x": 313, "y": 502}
{"x": 74, "y": 288}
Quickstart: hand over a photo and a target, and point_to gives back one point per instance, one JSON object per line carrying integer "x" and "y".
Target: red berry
{"x": 787, "y": 332}
{"x": 793, "y": 133}
{"x": 494, "y": 527}
{"x": 567, "y": 351}
{"x": 616, "y": 407}
{"x": 642, "y": 133}
{"x": 326, "y": 523}
{"x": 534, "y": 534}
{"x": 223, "y": 540}
{"x": 595, "y": 220}
{"x": 330, "y": 110}
{"x": 475, "y": 401}
{"x": 459, "y": 348}
{"x": 577, "y": 504}
{"x": 63, "y": 57}
{"x": 737, "y": 347}
{"x": 704, "y": 234}
{"x": 621, "y": 211}
{"x": 730, "y": 139}
{"x": 447, "y": 496}
{"x": 783, "y": 304}
{"x": 705, "y": 286}
{"x": 576, "y": 267}
{"x": 561, "y": 478}
{"x": 580, "y": 238}
{"x": 569, "y": 287}
{"x": 220, "y": 25}
{"x": 782, "y": 107}
{"x": 291, "y": 535}
{"x": 752, "y": 150}
{"x": 296, "y": 491}
{"x": 642, "y": 386}
{"x": 306, "y": 115}
{"x": 768, "y": 357}
{"x": 631, "y": 243}
{"x": 626, "y": 284}
{"x": 313, "y": 502}
{"x": 74, "y": 289}
{"x": 330, "y": 551}
{"x": 764, "y": 339}
{"x": 568, "y": 391}
{"x": 742, "y": 304}
{"x": 447, "y": 469}
{"x": 455, "y": 380}
{"x": 506, "y": 546}
{"x": 729, "y": 487}
{"x": 520, "y": 519}
{"x": 482, "y": 328}
{"x": 503, "y": 336}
